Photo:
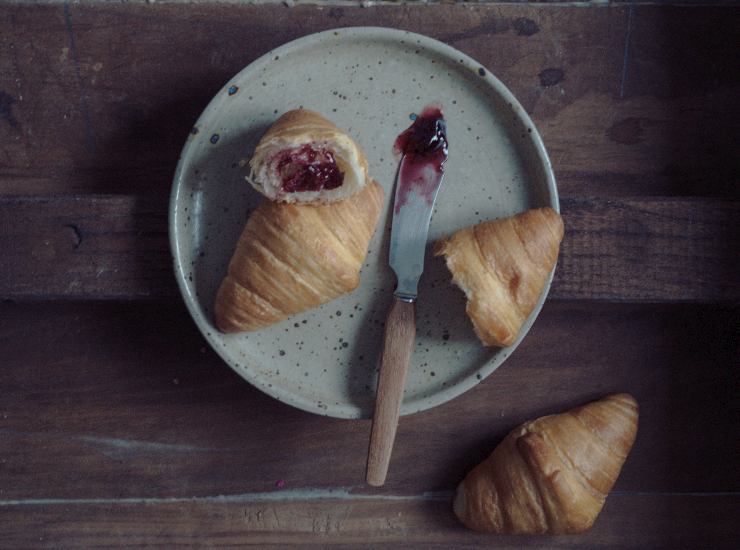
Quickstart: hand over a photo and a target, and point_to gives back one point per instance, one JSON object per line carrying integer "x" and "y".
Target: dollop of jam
{"x": 426, "y": 138}
{"x": 306, "y": 168}
{"x": 424, "y": 149}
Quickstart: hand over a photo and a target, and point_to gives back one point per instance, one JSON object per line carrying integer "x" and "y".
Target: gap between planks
{"x": 308, "y": 495}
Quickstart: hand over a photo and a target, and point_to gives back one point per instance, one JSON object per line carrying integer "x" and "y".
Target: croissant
{"x": 551, "y": 475}
{"x": 292, "y": 257}
{"x": 305, "y": 158}
{"x": 502, "y": 266}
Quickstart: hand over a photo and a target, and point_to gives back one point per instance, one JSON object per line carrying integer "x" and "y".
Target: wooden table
{"x": 119, "y": 425}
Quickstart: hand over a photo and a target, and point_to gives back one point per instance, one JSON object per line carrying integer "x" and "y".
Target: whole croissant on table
{"x": 551, "y": 475}
{"x": 502, "y": 266}
{"x": 292, "y": 257}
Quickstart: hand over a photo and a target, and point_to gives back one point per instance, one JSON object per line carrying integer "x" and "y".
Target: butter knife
{"x": 420, "y": 174}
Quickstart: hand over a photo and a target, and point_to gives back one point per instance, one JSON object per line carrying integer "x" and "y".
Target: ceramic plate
{"x": 368, "y": 81}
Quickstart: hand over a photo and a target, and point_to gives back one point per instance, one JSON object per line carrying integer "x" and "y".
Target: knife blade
{"x": 416, "y": 192}
{"x": 420, "y": 175}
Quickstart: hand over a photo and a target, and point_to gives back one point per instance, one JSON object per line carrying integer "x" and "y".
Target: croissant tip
{"x": 440, "y": 247}
{"x": 459, "y": 503}
{"x": 626, "y": 398}
{"x": 301, "y": 111}
{"x": 226, "y": 327}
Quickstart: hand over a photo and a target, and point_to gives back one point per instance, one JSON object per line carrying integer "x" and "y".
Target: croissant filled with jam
{"x": 306, "y": 245}
{"x": 305, "y": 158}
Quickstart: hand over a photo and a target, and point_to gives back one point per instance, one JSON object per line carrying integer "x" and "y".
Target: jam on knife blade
{"x": 424, "y": 146}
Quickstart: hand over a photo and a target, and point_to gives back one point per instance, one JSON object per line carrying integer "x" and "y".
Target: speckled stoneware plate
{"x": 368, "y": 81}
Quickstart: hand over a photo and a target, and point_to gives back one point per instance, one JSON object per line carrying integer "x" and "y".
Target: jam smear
{"x": 307, "y": 169}
{"x": 424, "y": 146}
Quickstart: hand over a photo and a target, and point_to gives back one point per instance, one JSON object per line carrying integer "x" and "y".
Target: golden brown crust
{"x": 303, "y": 126}
{"x": 300, "y": 124}
{"x": 551, "y": 475}
{"x": 502, "y": 266}
{"x": 291, "y": 258}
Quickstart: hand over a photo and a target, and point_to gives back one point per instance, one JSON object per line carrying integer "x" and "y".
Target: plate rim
{"x": 418, "y": 404}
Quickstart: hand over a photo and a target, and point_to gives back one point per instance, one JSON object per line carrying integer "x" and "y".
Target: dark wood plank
{"x": 95, "y": 247}
{"x": 630, "y": 100}
{"x": 649, "y": 250}
{"x": 627, "y": 521}
{"x": 125, "y": 400}
{"x": 85, "y": 247}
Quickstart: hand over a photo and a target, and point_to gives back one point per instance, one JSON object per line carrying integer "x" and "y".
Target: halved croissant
{"x": 551, "y": 475}
{"x": 291, "y": 258}
{"x": 304, "y": 158}
{"x": 502, "y": 266}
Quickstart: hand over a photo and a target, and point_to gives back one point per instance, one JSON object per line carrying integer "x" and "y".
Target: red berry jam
{"x": 308, "y": 169}
{"x": 426, "y": 137}
{"x": 424, "y": 147}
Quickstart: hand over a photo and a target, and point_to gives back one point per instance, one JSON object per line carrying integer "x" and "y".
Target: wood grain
{"x": 398, "y": 345}
{"x": 114, "y": 400}
{"x": 627, "y": 521}
{"x": 649, "y": 250}
{"x": 99, "y": 97}
{"x": 85, "y": 247}
{"x": 120, "y": 426}
{"x": 101, "y": 247}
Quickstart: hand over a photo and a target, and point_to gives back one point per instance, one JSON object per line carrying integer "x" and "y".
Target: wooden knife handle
{"x": 398, "y": 344}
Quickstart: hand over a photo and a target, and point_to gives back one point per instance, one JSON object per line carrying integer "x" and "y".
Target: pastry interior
{"x": 304, "y": 157}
